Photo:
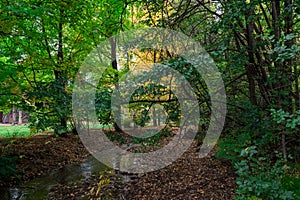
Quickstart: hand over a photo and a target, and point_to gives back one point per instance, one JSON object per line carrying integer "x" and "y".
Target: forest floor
{"x": 187, "y": 178}
{"x": 39, "y": 155}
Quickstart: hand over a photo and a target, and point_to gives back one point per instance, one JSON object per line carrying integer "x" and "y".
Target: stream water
{"x": 40, "y": 187}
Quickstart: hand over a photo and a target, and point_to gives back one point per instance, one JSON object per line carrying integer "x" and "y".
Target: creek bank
{"x": 37, "y": 156}
{"x": 40, "y": 187}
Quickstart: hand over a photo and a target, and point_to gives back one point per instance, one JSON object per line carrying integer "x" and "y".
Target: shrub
{"x": 257, "y": 178}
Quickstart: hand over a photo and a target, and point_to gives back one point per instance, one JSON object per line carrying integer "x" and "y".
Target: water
{"x": 39, "y": 188}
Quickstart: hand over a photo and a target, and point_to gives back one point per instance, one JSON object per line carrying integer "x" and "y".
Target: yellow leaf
{"x": 201, "y": 191}
{"x": 98, "y": 190}
{"x": 92, "y": 190}
{"x": 48, "y": 142}
{"x": 22, "y": 156}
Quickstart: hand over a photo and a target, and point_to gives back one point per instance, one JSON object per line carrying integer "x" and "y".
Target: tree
{"x": 43, "y": 46}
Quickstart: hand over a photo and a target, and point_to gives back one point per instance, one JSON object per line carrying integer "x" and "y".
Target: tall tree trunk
{"x": 59, "y": 76}
{"x": 117, "y": 116}
{"x": 250, "y": 69}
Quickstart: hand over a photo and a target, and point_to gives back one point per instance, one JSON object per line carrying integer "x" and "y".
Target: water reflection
{"x": 39, "y": 188}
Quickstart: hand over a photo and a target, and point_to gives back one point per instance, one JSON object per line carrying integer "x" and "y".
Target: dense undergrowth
{"x": 254, "y": 146}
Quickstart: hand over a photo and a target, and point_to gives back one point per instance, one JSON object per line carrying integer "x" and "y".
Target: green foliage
{"x": 291, "y": 126}
{"x": 255, "y": 128}
{"x": 103, "y": 105}
{"x": 291, "y": 183}
{"x": 114, "y": 136}
{"x": 140, "y": 103}
{"x": 291, "y": 121}
{"x": 42, "y": 47}
{"x": 45, "y": 117}
{"x": 252, "y": 148}
{"x": 151, "y": 91}
{"x": 283, "y": 52}
{"x": 7, "y": 165}
{"x": 258, "y": 178}
{"x": 230, "y": 148}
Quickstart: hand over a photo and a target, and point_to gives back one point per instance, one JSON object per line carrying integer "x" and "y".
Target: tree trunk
{"x": 251, "y": 68}
{"x": 117, "y": 116}
{"x": 154, "y": 116}
{"x": 6, "y": 118}
{"x": 251, "y": 82}
{"x": 1, "y": 117}
{"x": 59, "y": 76}
{"x": 14, "y": 116}
{"x": 20, "y": 117}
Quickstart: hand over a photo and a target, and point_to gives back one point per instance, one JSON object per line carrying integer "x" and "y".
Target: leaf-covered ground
{"x": 188, "y": 178}
{"x": 39, "y": 155}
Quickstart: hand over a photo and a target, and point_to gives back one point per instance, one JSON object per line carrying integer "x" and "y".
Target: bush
{"x": 257, "y": 178}
{"x": 252, "y": 145}
{"x": 292, "y": 183}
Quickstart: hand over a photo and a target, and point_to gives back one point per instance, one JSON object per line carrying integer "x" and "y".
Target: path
{"x": 188, "y": 178}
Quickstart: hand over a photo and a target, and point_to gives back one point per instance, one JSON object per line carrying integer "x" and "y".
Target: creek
{"x": 39, "y": 187}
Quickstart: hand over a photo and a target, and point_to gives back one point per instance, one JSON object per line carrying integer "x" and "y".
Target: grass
{"x": 100, "y": 126}
{"x": 14, "y": 131}
{"x": 23, "y": 130}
